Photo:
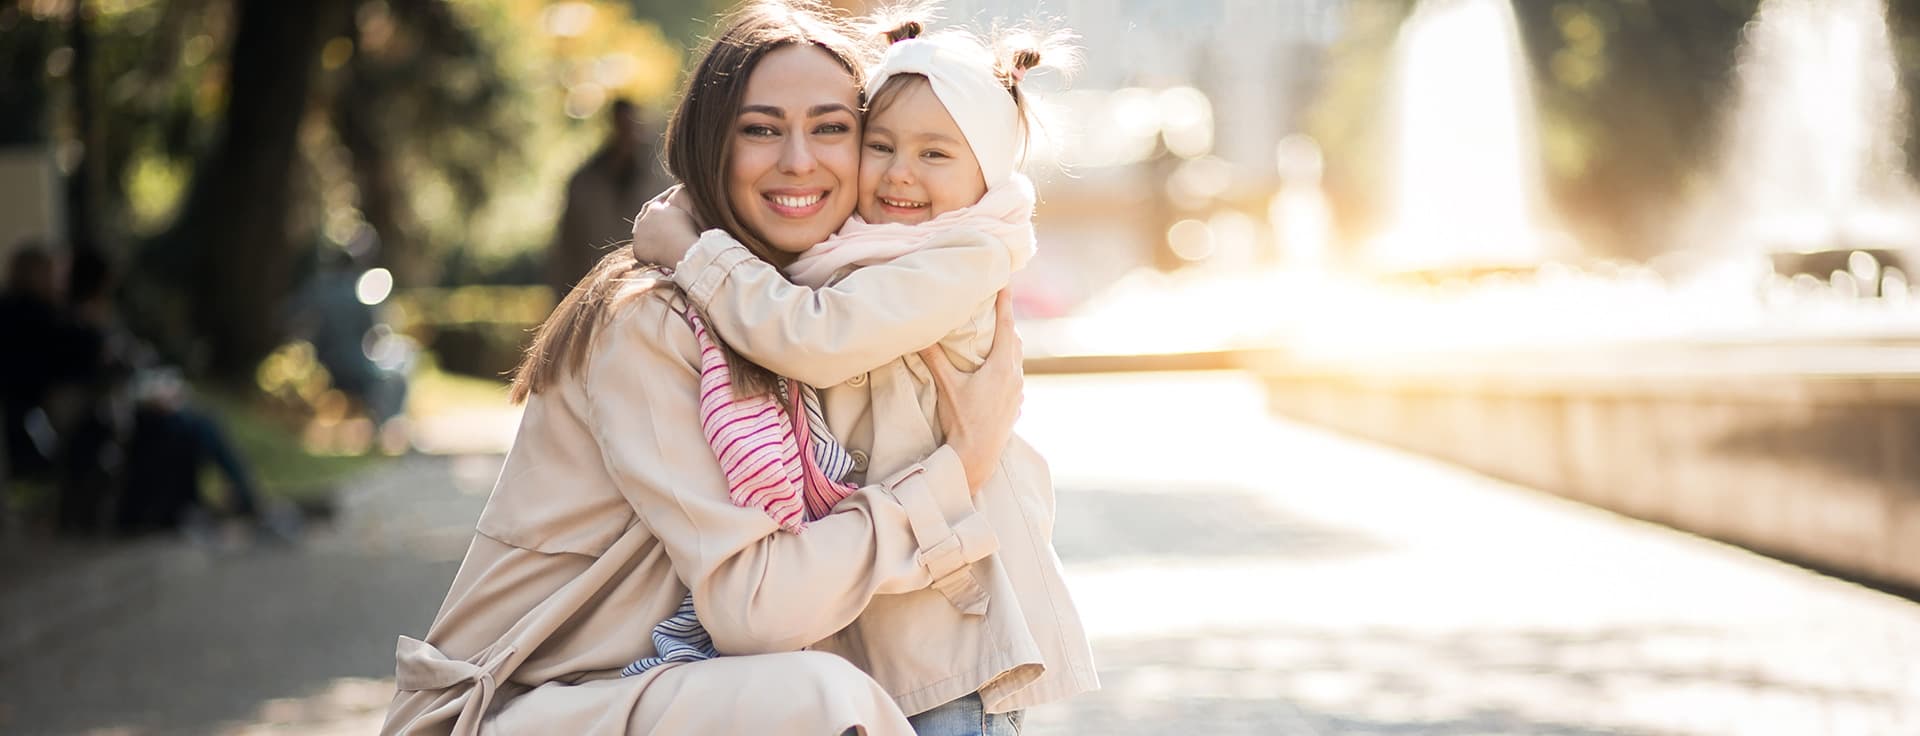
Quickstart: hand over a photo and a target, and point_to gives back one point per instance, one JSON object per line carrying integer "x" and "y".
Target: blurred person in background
{"x": 114, "y": 432}
{"x": 171, "y": 442}
{"x": 52, "y": 429}
{"x": 603, "y": 193}
{"x": 97, "y": 419}
{"x": 31, "y": 321}
{"x": 364, "y": 358}
{"x": 138, "y": 440}
{"x": 58, "y": 427}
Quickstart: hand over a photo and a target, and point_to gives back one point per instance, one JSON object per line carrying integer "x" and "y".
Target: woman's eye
{"x": 759, "y": 131}
{"x": 832, "y": 128}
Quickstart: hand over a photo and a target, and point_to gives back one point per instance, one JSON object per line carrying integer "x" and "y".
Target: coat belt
{"x": 421, "y": 666}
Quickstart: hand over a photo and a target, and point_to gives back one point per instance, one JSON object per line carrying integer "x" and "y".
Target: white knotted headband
{"x": 961, "y": 74}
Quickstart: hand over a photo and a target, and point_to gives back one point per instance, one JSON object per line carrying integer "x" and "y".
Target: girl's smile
{"x": 915, "y": 163}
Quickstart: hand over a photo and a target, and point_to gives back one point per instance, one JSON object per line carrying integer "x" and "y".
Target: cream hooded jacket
{"x": 1005, "y": 626}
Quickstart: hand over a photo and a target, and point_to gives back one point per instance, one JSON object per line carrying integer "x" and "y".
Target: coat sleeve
{"x": 756, "y": 587}
{"x": 825, "y": 336}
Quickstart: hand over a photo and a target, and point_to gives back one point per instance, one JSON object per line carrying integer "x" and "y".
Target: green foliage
{"x": 473, "y": 107}
{"x": 446, "y": 127}
{"x": 1353, "y": 112}
{"x": 473, "y": 330}
{"x": 684, "y": 21}
{"x": 277, "y": 456}
{"x": 26, "y": 45}
{"x": 462, "y": 120}
{"x": 435, "y": 392}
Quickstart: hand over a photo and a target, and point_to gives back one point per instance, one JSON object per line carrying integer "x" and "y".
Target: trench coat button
{"x": 859, "y": 460}
{"x": 857, "y": 381}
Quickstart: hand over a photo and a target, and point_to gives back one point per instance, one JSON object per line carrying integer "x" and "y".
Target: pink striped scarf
{"x": 768, "y": 464}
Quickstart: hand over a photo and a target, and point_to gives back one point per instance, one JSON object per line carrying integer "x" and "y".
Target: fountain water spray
{"x": 1467, "y": 193}
{"x": 1812, "y": 159}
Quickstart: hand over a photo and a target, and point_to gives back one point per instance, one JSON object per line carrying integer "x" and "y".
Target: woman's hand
{"x": 977, "y": 410}
{"x": 665, "y": 229}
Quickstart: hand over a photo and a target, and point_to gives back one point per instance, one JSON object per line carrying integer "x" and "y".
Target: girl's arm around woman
{"x": 757, "y": 588}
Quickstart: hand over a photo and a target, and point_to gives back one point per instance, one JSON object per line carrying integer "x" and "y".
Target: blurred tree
{"x": 235, "y": 218}
{"x": 431, "y": 153}
{"x": 1633, "y": 95}
{"x": 27, "y": 41}
{"x": 1903, "y": 21}
{"x": 228, "y": 138}
{"x": 464, "y": 120}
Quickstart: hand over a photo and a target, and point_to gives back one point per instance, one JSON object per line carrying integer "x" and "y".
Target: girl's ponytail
{"x": 1020, "y": 50}
{"x": 894, "y": 22}
{"x": 905, "y": 30}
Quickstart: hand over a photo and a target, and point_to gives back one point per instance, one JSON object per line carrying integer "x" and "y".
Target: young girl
{"x": 945, "y": 128}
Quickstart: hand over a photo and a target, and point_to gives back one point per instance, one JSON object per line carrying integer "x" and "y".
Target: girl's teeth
{"x": 897, "y": 203}
{"x": 785, "y": 201}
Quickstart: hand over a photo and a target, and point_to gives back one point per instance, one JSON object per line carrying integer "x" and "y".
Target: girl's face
{"x": 792, "y": 170}
{"x": 915, "y": 163}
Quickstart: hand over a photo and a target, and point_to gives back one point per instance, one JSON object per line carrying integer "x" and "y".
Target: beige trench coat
{"x": 1006, "y": 626}
{"x": 609, "y": 510}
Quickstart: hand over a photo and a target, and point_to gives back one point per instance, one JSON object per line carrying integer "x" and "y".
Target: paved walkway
{"x": 1240, "y": 576}
{"x": 1250, "y": 576}
{"x": 269, "y": 634}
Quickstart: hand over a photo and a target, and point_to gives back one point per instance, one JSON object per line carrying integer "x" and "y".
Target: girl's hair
{"x": 1015, "y": 51}
{"x": 698, "y": 142}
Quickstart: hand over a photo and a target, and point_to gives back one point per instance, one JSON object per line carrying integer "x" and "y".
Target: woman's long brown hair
{"x": 698, "y": 141}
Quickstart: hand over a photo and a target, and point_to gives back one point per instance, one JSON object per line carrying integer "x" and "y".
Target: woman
{"x": 1012, "y": 638}
{"x": 611, "y": 508}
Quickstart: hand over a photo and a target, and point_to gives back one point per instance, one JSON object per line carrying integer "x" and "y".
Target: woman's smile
{"x": 796, "y": 203}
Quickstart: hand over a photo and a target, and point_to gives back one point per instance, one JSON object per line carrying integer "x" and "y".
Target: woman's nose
{"x": 797, "y": 156}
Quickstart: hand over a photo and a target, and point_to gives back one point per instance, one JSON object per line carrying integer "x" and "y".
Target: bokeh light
{"x": 374, "y": 286}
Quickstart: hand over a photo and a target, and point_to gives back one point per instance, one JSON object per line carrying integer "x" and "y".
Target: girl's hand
{"x": 977, "y": 410}
{"x": 665, "y": 229}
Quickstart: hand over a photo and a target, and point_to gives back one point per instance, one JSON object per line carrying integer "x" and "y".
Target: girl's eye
{"x": 879, "y": 148}
{"x": 935, "y": 154}
{"x": 759, "y": 131}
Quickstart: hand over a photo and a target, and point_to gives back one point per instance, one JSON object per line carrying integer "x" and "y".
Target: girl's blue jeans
{"x": 965, "y": 717}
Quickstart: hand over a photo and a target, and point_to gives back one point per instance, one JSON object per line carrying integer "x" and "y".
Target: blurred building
{"x": 29, "y": 197}
{"x": 1256, "y": 60}
{"x": 1173, "y": 119}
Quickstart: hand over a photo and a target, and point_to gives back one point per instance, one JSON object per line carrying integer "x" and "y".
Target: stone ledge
{"x": 1817, "y": 468}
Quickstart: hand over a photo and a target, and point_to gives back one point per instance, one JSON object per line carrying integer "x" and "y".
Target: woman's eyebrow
{"x": 812, "y": 112}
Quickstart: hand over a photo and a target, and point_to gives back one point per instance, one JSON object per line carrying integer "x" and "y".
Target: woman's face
{"x": 792, "y": 175}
